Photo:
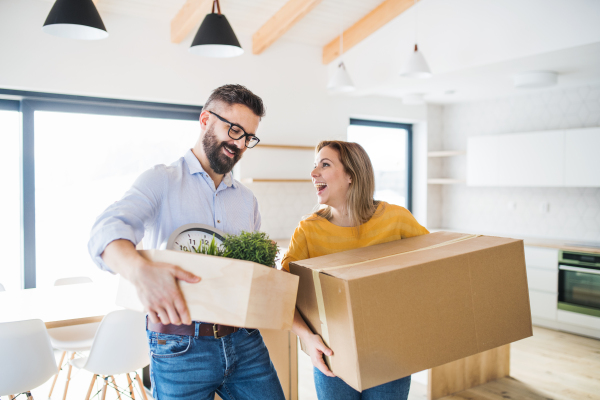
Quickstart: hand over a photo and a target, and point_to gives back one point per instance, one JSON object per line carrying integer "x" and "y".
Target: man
{"x": 187, "y": 360}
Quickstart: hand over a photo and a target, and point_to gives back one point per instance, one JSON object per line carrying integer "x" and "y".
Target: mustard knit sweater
{"x": 316, "y": 236}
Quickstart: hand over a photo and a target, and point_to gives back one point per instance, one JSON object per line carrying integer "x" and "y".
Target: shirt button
{"x": 218, "y": 221}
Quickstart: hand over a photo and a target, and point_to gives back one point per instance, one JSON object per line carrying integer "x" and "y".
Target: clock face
{"x": 192, "y": 237}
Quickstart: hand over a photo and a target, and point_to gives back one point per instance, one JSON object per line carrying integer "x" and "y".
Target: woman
{"x": 345, "y": 183}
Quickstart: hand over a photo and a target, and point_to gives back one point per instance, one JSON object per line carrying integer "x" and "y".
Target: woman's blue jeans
{"x": 336, "y": 389}
{"x": 236, "y": 367}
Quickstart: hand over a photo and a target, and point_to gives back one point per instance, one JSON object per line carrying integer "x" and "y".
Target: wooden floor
{"x": 549, "y": 365}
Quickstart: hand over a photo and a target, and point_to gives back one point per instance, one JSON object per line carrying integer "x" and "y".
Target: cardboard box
{"x": 397, "y": 308}
{"x": 231, "y": 292}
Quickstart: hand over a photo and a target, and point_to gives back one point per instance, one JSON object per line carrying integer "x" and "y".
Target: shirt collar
{"x": 195, "y": 167}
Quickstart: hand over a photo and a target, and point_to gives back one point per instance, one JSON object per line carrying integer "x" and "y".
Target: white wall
{"x": 574, "y": 212}
{"x": 138, "y": 62}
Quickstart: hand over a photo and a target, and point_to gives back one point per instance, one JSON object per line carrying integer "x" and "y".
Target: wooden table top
{"x": 59, "y": 305}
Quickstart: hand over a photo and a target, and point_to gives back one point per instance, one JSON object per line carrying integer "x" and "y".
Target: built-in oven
{"x": 579, "y": 282}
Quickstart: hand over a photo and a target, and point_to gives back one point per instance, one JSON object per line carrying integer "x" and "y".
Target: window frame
{"x": 28, "y": 102}
{"x": 409, "y": 150}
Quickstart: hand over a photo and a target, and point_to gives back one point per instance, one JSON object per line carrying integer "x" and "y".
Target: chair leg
{"x": 116, "y": 388}
{"x": 62, "y": 358}
{"x": 130, "y": 383}
{"x": 142, "y": 388}
{"x": 104, "y": 388}
{"x": 11, "y": 397}
{"x": 89, "y": 393}
{"x": 68, "y": 378}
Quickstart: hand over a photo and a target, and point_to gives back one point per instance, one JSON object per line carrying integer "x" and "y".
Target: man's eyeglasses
{"x": 236, "y": 132}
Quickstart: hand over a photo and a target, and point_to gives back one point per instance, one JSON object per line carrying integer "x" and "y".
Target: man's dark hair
{"x": 237, "y": 94}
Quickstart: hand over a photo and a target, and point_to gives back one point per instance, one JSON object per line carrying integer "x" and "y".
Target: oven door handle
{"x": 579, "y": 269}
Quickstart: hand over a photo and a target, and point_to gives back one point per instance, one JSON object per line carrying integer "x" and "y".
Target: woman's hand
{"x": 316, "y": 348}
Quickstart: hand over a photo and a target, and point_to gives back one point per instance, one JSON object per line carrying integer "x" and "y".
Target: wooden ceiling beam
{"x": 378, "y": 17}
{"x": 286, "y": 17}
{"x": 188, "y": 17}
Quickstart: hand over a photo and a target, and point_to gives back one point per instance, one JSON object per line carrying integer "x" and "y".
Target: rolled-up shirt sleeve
{"x": 128, "y": 217}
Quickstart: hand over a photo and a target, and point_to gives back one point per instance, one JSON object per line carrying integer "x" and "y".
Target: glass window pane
{"x": 387, "y": 150}
{"x": 83, "y": 163}
{"x": 10, "y": 201}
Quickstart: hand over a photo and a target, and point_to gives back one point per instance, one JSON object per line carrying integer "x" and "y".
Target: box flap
{"x": 403, "y": 253}
{"x": 339, "y": 261}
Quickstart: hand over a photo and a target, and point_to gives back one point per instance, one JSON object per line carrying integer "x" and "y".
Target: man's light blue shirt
{"x": 166, "y": 197}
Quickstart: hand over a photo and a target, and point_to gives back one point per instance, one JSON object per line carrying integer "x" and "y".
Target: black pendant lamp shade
{"x": 75, "y": 19}
{"x": 215, "y": 37}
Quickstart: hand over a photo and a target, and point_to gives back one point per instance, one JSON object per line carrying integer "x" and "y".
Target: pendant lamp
{"x": 416, "y": 66}
{"x": 340, "y": 82}
{"x": 215, "y": 37}
{"x": 75, "y": 19}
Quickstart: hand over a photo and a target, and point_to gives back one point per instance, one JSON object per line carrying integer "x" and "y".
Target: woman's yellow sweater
{"x": 316, "y": 236}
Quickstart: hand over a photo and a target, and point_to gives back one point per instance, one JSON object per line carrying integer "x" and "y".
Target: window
{"x": 83, "y": 163}
{"x": 389, "y": 146}
{"x": 65, "y": 159}
{"x": 10, "y": 201}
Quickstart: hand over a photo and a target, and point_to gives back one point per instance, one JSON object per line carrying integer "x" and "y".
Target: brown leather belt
{"x": 215, "y": 330}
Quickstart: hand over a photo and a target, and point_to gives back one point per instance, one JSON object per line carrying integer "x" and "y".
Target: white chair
{"x": 71, "y": 338}
{"x": 27, "y": 357}
{"x": 120, "y": 347}
{"x": 1, "y": 288}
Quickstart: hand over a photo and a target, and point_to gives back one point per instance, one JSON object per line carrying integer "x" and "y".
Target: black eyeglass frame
{"x": 248, "y": 136}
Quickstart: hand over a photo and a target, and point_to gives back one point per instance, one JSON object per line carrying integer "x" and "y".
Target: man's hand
{"x": 156, "y": 283}
{"x": 315, "y": 349}
{"x": 159, "y": 292}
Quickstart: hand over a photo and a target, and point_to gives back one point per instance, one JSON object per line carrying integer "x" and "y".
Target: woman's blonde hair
{"x": 359, "y": 200}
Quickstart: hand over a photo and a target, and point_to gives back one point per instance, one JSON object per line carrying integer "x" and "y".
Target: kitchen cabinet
{"x": 535, "y": 159}
{"x": 542, "y": 278}
{"x": 582, "y": 161}
{"x": 543, "y": 305}
{"x": 521, "y": 159}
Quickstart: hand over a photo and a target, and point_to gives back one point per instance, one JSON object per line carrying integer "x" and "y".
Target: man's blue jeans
{"x": 336, "y": 389}
{"x": 236, "y": 367}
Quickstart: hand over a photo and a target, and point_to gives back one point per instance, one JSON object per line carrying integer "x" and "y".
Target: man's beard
{"x": 218, "y": 161}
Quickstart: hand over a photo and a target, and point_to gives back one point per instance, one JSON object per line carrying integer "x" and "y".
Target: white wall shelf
{"x": 276, "y": 163}
{"x": 252, "y": 180}
{"x": 284, "y": 147}
{"x": 446, "y": 153}
{"x": 444, "y": 181}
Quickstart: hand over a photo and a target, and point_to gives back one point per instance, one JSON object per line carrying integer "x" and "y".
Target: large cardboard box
{"x": 394, "y": 309}
{"x": 231, "y": 292}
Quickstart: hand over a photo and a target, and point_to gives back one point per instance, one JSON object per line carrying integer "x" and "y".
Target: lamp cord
{"x": 416, "y": 24}
{"x": 341, "y": 34}
{"x": 217, "y": 6}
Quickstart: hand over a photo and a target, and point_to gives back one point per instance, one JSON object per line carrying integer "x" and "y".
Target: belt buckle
{"x": 216, "y": 332}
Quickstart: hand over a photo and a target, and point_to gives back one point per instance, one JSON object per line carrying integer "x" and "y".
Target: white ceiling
{"x": 473, "y": 46}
